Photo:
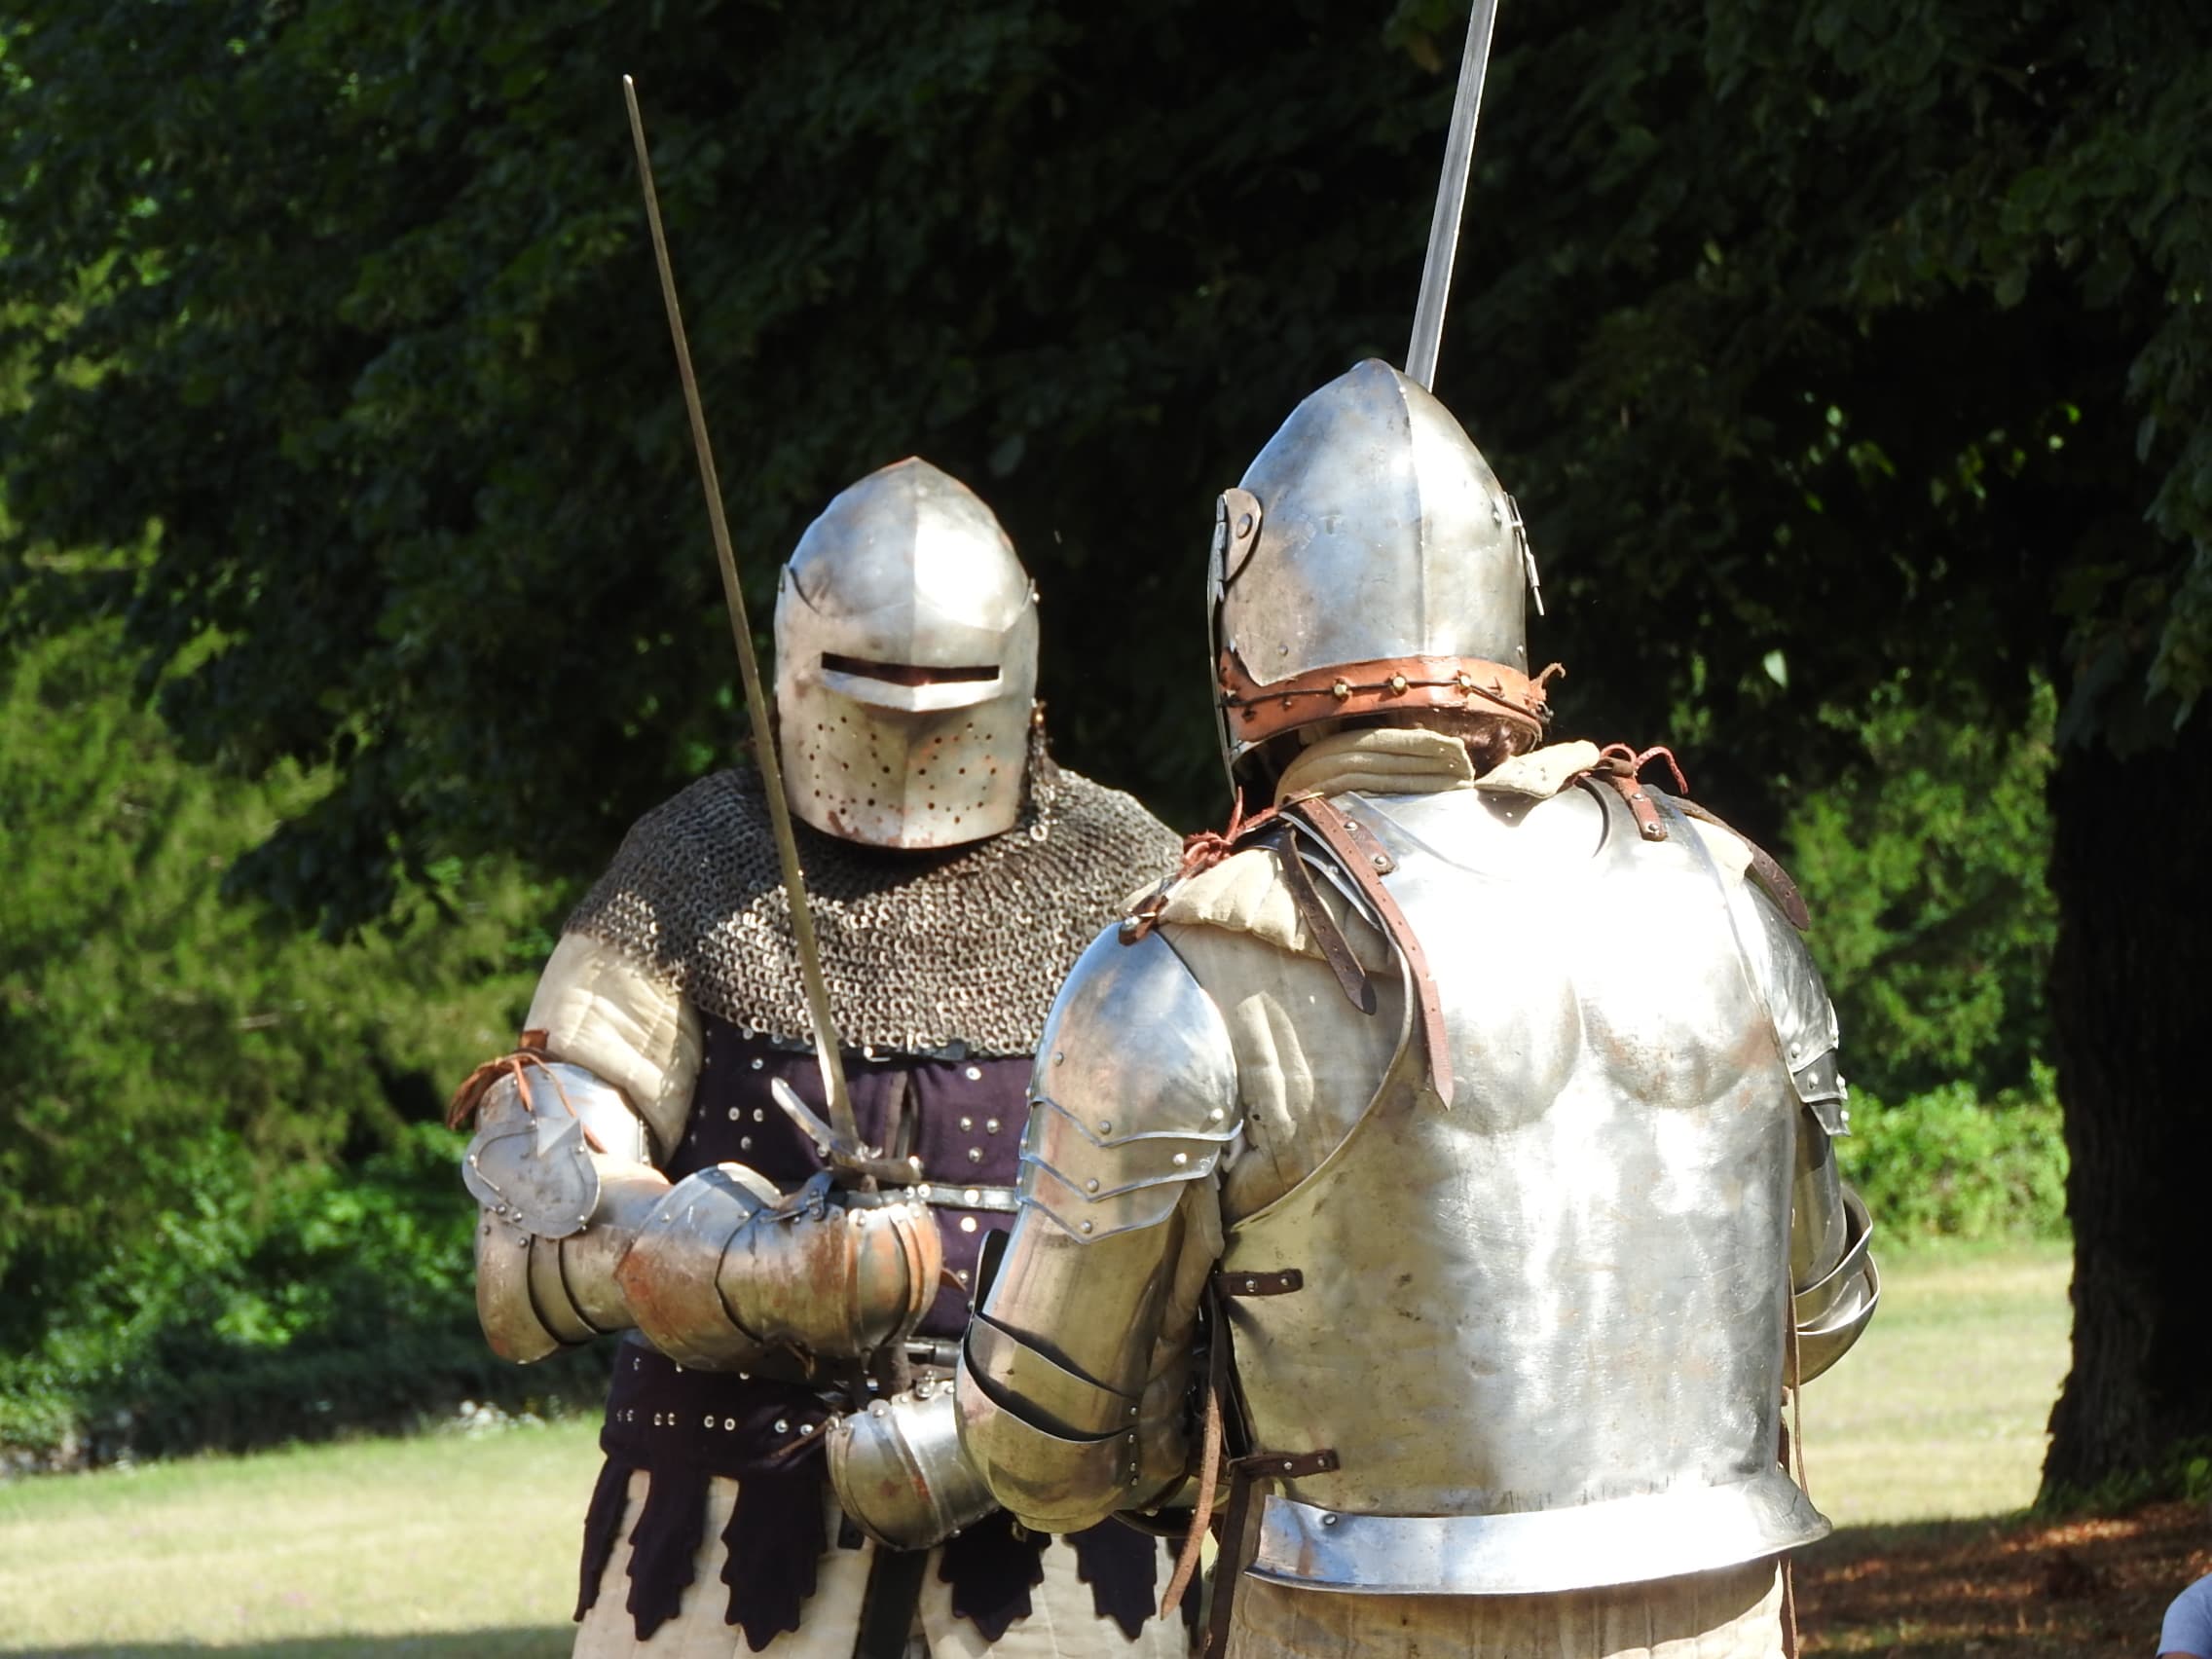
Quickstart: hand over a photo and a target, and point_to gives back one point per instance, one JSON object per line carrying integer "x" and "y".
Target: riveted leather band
{"x": 1258, "y": 711}
{"x": 1259, "y": 1284}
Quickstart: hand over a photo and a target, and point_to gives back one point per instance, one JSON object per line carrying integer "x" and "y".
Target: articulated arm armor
{"x": 1072, "y": 1383}
{"x": 563, "y": 1171}
{"x": 582, "y": 1236}
{"x": 1832, "y": 1275}
{"x": 727, "y": 1271}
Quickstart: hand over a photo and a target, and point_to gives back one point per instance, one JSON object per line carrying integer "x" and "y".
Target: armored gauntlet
{"x": 726, "y": 1270}
{"x": 899, "y": 1473}
{"x": 562, "y": 1168}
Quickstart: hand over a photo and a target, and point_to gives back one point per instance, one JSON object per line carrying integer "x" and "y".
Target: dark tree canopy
{"x": 1839, "y": 349}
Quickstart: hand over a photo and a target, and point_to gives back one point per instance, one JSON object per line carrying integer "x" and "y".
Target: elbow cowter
{"x": 1068, "y": 1453}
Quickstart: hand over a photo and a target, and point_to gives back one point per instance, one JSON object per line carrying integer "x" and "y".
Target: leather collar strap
{"x": 1365, "y": 865}
{"x": 1386, "y": 685}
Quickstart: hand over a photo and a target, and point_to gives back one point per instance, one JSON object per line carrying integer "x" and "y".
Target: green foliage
{"x": 1924, "y": 870}
{"x": 1851, "y": 337}
{"x": 223, "y": 1196}
{"x": 336, "y": 1301}
{"x": 1951, "y": 1164}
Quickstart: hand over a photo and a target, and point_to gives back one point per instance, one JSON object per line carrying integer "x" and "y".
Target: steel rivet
{"x": 1060, "y": 1058}
{"x": 1091, "y": 1185}
{"x": 1328, "y": 1520}
{"x": 967, "y": 1224}
{"x": 1180, "y": 1158}
{"x": 990, "y": 1126}
{"x": 1397, "y": 683}
{"x": 1105, "y": 1126}
{"x": 759, "y": 1114}
{"x": 974, "y": 1195}
{"x": 710, "y": 1420}
{"x": 975, "y": 1155}
{"x": 729, "y": 1425}
{"x": 1341, "y": 690}
{"x": 806, "y": 1428}
{"x": 735, "y": 1113}
{"x": 783, "y": 1425}
{"x": 745, "y": 1143}
{"x": 757, "y": 1063}
{"x": 1243, "y": 524}
{"x": 1251, "y": 1284}
{"x": 975, "y": 1074}
{"x": 1379, "y": 862}
{"x": 1087, "y": 1226}
{"x": 966, "y": 1122}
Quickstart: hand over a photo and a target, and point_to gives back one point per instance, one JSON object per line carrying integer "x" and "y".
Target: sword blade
{"x": 826, "y": 1050}
{"x": 1450, "y": 200}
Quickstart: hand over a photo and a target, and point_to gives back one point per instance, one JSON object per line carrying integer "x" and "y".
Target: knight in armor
{"x": 781, "y": 1449}
{"x": 1436, "y": 1176}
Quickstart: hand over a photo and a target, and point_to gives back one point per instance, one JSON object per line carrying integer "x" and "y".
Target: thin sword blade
{"x": 1450, "y": 200}
{"x": 826, "y": 1050}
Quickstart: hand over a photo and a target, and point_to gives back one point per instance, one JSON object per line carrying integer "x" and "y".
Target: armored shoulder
{"x": 1134, "y": 1093}
{"x": 1788, "y": 980}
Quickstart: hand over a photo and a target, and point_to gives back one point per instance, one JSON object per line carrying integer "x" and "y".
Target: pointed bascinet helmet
{"x": 905, "y": 665}
{"x": 1369, "y": 562}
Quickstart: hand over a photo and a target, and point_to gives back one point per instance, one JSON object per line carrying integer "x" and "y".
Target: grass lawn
{"x": 443, "y": 1545}
{"x": 454, "y": 1546}
{"x": 1940, "y": 1412}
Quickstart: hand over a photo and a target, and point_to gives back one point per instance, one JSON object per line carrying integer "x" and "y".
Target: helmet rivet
{"x": 1341, "y": 690}
{"x": 1243, "y": 525}
{"x": 1466, "y": 680}
{"x": 1397, "y": 683}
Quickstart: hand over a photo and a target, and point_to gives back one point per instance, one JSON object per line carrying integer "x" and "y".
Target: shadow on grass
{"x": 2006, "y": 1587}
{"x": 550, "y": 1642}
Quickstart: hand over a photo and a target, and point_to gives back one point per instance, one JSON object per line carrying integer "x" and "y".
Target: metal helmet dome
{"x": 1368, "y": 561}
{"x": 905, "y": 665}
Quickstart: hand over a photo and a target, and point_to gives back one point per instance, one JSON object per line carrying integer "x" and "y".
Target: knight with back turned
{"x": 1435, "y": 1180}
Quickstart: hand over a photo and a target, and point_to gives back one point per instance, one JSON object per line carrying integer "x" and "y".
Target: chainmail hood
{"x": 958, "y": 951}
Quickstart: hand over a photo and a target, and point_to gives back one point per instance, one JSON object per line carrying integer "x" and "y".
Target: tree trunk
{"x": 2131, "y": 868}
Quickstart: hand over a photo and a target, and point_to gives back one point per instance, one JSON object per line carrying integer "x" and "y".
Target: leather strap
{"x": 1765, "y": 869}
{"x": 1229, "y": 1565}
{"x": 1336, "y": 949}
{"x": 1210, "y": 1468}
{"x": 1258, "y": 1284}
{"x": 1366, "y": 865}
{"x": 1288, "y": 1465}
{"x": 888, "y": 1606}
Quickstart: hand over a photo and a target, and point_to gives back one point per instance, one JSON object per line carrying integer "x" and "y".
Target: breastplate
{"x": 1543, "y": 1327}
